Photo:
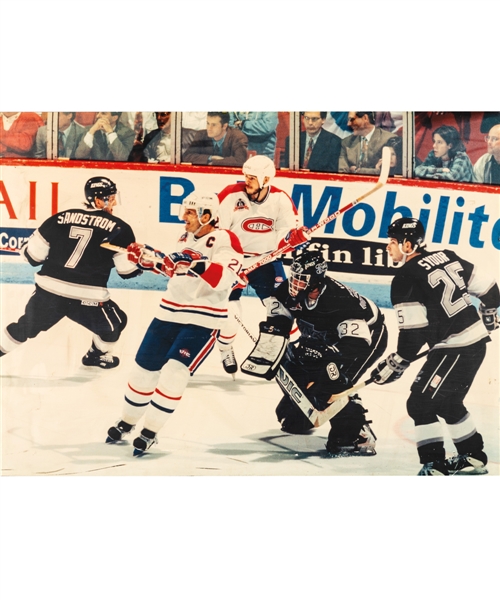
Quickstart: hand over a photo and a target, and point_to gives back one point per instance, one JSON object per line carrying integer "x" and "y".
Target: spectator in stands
{"x": 192, "y": 122}
{"x": 157, "y": 144}
{"x": 396, "y": 166}
{"x": 17, "y": 133}
{"x": 487, "y": 168}
{"x": 260, "y": 129}
{"x": 362, "y": 150}
{"x": 218, "y": 144}
{"x": 106, "y": 139}
{"x": 70, "y": 135}
{"x": 489, "y": 119}
{"x": 448, "y": 159}
{"x": 319, "y": 149}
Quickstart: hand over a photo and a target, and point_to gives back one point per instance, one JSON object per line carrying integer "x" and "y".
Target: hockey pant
{"x": 105, "y": 320}
{"x": 439, "y": 391}
{"x": 169, "y": 354}
{"x": 348, "y": 371}
{"x": 264, "y": 281}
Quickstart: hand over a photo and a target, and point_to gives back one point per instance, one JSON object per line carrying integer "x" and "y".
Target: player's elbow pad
{"x": 31, "y": 260}
{"x": 212, "y": 273}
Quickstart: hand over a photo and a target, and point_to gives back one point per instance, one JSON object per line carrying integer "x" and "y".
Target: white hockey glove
{"x": 489, "y": 317}
{"x": 265, "y": 358}
{"x": 390, "y": 369}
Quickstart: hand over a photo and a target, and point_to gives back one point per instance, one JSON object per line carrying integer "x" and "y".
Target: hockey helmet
{"x": 307, "y": 272}
{"x": 260, "y": 167}
{"x": 99, "y": 187}
{"x": 201, "y": 202}
{"x": 407, "y": 229}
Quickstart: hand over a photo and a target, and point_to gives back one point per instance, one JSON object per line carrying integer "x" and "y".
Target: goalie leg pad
{"x": 265, "y": 358}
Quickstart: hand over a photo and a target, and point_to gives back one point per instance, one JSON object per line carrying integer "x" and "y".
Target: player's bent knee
{"x": 143, "y": 380}
{"x": 174, "y": 377}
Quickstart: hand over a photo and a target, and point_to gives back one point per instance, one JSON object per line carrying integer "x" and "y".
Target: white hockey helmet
{"x": 260, "y": 167}
{"x": 200, "y": 202}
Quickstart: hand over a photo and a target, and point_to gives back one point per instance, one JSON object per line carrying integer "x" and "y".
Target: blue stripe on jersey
{"x": 194, "y": 312}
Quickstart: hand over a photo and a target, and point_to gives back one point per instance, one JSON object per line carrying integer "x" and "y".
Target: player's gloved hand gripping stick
{"x": 382, "y": 180}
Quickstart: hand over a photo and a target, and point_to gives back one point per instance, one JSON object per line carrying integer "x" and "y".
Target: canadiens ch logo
{"x": 258, "y": 225}
{"x": 185, "y": 352}
{"x": 241, "y": 205}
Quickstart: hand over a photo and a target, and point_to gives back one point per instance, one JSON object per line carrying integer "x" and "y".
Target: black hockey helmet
{"x": 99, "y": 187}
{"x": 407, "y": 229}
{"x": 307, "y": 272}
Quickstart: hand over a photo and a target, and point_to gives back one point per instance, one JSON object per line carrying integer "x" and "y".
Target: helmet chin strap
{"x": 406, "y": 254}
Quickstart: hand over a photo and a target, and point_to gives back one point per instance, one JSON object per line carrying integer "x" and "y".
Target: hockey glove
{"x": 296, "y": 239}
{"x": 390, "y": 369}
{"x": 178, "y": 261}
{"x": 489, "y": 317}
{"x": 145, "y": 257}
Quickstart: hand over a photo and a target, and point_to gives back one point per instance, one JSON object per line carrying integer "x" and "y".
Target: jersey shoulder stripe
{"x": 231, "y": 189}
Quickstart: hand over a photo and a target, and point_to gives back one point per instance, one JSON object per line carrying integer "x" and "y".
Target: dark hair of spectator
{"x": 321, "y": 114}
{"x": 224, "y": 116}
{"x": 371, "y": 116}
{"x": 116, "y": 114}
{"x": 397, "y": 144}
{"x": 451, "y": 136}
{"x": 73, "y": 115}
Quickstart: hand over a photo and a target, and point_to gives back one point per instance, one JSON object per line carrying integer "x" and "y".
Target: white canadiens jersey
{"x": 203, "y": 299}
{"x": 260, "y": 226}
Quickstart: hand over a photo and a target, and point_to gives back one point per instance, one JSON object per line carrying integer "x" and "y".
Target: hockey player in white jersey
{"x": 264, "y": 218}
{"x": 191, "y": 313}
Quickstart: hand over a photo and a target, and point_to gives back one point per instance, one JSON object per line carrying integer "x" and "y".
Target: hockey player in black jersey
{"x": 431, "y": 297}
{"x": 74, "y": 275}
{"x": 341, "y": 335}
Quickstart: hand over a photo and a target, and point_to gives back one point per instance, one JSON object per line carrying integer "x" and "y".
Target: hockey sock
{"x": 464, "y": 435}
{"x": 100, "y": 346}
{"x": 229, "y": 330}
{"x": 138, "y": 393}
{"x": 171, "y": 385}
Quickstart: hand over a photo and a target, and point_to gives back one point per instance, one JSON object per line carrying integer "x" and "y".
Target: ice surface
{"x": 56, "y": 412}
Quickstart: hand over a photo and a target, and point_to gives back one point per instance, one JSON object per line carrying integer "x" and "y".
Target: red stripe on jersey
{"x": 198, "y": 306}
{"x": 275, "y": 189}
{"x": 213, "y": 274}
{"x": 231, "y": 189}
{"x": 235, "y": 241}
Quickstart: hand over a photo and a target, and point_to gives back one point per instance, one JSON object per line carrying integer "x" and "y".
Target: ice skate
{"x": 467, "y": 464}
{"x": 144, "y": 442}
{"x": 96, "y": 358}
{"x": 433, "y": 468}
{"x": 229, "y": 361}
{"x": 116, "y": 433}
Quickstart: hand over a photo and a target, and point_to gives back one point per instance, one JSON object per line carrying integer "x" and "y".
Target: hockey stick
{"x": 331, "y": 411}
{"x": 382, "y": 180}
{"x": 13, "y": 250}
{"x": 288, "y": 385}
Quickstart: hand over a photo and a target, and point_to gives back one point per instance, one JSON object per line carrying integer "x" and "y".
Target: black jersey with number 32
{"x": 431, "y": 297}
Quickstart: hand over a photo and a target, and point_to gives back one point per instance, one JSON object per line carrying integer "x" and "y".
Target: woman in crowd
{"x": 396, "y": 166}
{"x": 448, "y": 158}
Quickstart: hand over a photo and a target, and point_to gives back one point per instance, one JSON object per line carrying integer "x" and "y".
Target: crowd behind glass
{"x": 453, "y": 146}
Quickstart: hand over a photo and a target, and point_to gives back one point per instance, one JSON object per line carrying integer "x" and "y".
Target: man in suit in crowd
{"x": 362, "y": 150}
{"x": 319, "y": 149}
{"x": 106, "y": 139}
{"x": 157, "y": 144}
{"x": 218, "y": 144}
{"x": 70, "y": 135}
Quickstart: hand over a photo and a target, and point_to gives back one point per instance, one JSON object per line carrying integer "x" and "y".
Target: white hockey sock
{"x": 171, "y": 385}
{"x": 229, "y": 330}
{"x": 7, "y": 343}
{"x": 462, "y": 430}
{"x": 101, "y": 344}
{"x": 140, "y": 388}
{"x": 428, "y": 434}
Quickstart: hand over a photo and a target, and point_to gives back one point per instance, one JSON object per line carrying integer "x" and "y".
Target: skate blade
{"x": 473, "y": 471}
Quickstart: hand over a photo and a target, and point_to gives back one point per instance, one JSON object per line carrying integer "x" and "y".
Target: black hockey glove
{"x": 489, "y": 317}
{"x": 390, "y": 369}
